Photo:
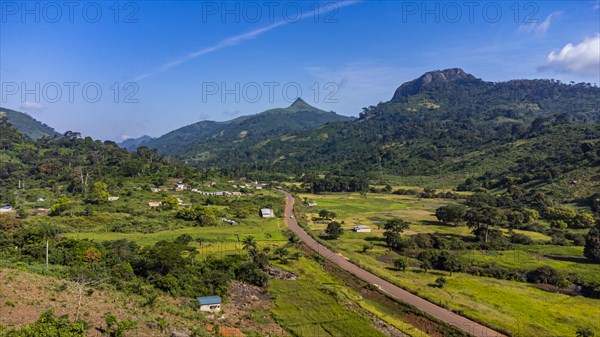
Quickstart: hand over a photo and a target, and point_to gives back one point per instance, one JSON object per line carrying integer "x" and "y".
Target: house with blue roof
{"x": 210, "y": 303}
{"x": 6, "y": 209}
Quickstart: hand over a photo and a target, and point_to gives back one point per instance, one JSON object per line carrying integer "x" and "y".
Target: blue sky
{"x": 149, "y": 67}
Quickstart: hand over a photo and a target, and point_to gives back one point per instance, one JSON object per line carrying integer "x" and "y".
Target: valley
{"x": 438, "y": 214}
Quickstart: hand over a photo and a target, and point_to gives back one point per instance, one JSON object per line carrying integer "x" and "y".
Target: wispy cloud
{"x": 539, "y": 28}
{"x": 31, "y": 106}
{"x": 583, "y": 58}
{"x": 234, "y": 40}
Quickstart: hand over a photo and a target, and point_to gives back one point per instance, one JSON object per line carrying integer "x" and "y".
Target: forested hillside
{"x": 27, "y": 125}
{"x": 445, "y": 122}
{"x": 209, "y": 140}
{"x": 73, "y": 163}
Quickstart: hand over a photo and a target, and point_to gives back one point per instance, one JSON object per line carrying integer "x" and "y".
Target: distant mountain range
{"x": 210, "y": 138}
{"x": 27, "y": 125}
{"x": 133, "y": 143}
{"x": 444, "y": 123}
{"x": 435, "y": 123}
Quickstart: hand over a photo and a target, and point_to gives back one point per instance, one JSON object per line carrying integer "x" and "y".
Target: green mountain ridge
{"x": 133, "y": 143}
{"x": 199, "y": 137}
{"x": 27, "y": 125}
{"x": 441, "y": 124}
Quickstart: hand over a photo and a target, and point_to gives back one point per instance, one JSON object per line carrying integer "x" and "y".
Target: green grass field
{"x": 216, "y": 240}
{"x": 315, "y": 304}
{"x": 518, "y": 308}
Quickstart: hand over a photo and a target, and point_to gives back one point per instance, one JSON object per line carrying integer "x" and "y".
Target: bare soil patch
{"x": 248, "y": 309}
{"x": 24, "y": 296}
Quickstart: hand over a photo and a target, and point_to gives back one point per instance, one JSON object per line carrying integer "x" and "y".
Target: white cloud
{"x": 539, "y": 28}
{"x": 583, "y": 58}
{"x": 32, "y": 106}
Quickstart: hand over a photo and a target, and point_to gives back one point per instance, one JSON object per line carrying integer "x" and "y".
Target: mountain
{"x": 208, "y": 139}
{"x": 28, "y": 125}
{"x": 133, "y": 143}
{"x": 432, "y": 80}
{"x": 440, "y": 124}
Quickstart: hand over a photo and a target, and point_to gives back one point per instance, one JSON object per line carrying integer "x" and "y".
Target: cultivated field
{"x": 518, "y": 308}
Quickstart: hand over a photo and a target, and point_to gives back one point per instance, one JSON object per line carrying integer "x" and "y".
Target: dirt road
{"x": 440, "y": 313}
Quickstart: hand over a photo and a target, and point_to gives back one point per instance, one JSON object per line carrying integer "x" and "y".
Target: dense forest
{"x": 432, "y": 125}
{"x": 70, "y": 164}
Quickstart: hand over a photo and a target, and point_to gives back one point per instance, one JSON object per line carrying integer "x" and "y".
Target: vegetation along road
{"x": 442, "y": 314}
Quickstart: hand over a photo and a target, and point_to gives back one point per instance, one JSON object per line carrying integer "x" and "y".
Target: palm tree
{"x": 48, "y": 232}
{"x": 249, "y": 243}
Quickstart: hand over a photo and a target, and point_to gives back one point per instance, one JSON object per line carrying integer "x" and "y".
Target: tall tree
{"x": 393, "y": 230}
{"x": 48, "y": 232}
{"x": 453, "y": 213}
{"x": 249, "y": 244}
{"x": 481, "y": 218}
{"x": 334, "y": 230}
{"x": 98, "y": 193}
{"x": 591, "y": 249}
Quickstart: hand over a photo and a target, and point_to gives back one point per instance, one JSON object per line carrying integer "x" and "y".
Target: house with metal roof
{"x": 362, "y": 229}
{"x": 6, "y": 209}
{"x": 210, "y": 303}
{"x": 267, "y": 213}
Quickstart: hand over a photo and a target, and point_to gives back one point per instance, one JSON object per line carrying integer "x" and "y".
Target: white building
{"x": 6, "y": 209}
{"x": 362, "y": 229}
{"x": 210, "y": 303}
{"x": 267, "y": 213}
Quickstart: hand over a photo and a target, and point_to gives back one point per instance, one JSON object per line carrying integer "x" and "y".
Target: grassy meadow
{"x": 318, "y": 304}
{"x": 520, "y": 309}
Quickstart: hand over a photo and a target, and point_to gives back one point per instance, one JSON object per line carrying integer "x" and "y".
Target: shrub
{"x": 584, "y": 332}
{"x": 521, "y": 239}
{"x": 423, "y": 240}
{"x": 496, "y": 271}
{"x": 559, "y": 240}
{"x": 547, "y": 275}
{"x": 440, "y": 282}
{"x": 591, "y": 289}
{"x": 401, "y": 263}
{"x": 577, "y": 239}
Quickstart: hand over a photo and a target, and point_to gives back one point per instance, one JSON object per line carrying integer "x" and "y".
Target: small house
{"x": 229, "y": 221}
{"x": 180, "y": 187}
{"x": 6, "y": 209}
{"x": 267, "y": 213}
{"x": 210, "y": 303}
{"x": 113, "y": 198}
{"x": 154, "y": 204}
{"x": 362, "y": 229}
